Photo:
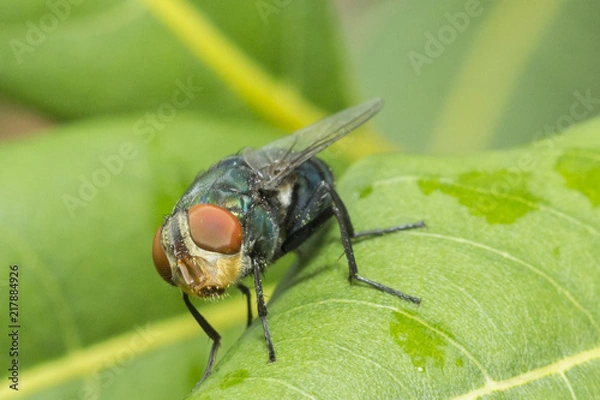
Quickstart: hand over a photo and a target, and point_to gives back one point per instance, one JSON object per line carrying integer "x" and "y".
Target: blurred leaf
{"x": 211, "y": 57}
{"x": 508, "y": 270}
{"x": 497, "y": 72}
{"x": 87, "y": 58}
{"x": 112, "y": 368}
{"x": 471, "y": 75}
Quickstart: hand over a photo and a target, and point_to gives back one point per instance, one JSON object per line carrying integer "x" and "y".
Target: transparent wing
{"x": 278, "y": 159}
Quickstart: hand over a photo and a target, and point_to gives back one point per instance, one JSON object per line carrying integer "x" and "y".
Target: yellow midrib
{"x": 558, "y": 367}
{"x": 277, "y": 102}
{"x": 487, "y": 78}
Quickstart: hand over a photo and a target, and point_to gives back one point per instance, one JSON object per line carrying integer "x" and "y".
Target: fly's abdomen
{"x": 306, "y": 202}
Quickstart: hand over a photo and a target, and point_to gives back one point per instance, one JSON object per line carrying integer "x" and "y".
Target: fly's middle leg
{"x": 262, "y": 308}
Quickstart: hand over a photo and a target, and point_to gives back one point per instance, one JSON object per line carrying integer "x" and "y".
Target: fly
{"x": 248, "y": 210}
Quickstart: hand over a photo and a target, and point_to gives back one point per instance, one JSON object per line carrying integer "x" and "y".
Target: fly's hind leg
{"x": 385, "y": 231}
{"x": 347, "y": 233}
{"x": 325, "y": 192}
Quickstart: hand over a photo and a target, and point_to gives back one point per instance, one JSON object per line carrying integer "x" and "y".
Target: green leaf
{"x": 166, "y": 56}
{"x": 508, "y": 270}
{"x": 473, "y": 75}
{"x": 75, "y": 58}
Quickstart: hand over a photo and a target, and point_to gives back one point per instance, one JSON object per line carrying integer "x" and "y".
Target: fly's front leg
{"x": 347, "y": 233}
{"x": 209, "y": 330}
{"x": 262, "y": 308}
{"x": 246, "y": 292}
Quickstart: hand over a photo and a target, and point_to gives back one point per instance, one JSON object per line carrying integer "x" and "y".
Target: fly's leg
{"x": 347, "y": 233}
{"x": 246, "y": 292}
{"x": 262, "y": 308}
{"x": 209, "y": 330}
{"x": 298, "y": 237}
{"x": 385, "y": 231}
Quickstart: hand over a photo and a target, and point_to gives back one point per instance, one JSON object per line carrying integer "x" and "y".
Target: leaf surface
{"x": 508, "y": 270}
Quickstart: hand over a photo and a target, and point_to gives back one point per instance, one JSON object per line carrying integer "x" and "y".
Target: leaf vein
{"x": 558, "y": 367}
{"x": 516, "y": 260}
{"x": 50, "y": 285}
{"x": 352, "y": 353}
{"x": 372, "y": 362}
{"x": 568, "y": 384}
{"x": 542, "y": 207}
{"x": 282, "y": 383}
{"x": 450, "y": 340}
{"x": 487, "y": 315}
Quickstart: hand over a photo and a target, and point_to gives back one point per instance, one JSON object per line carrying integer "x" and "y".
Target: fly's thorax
{"x": 226, "y": 183}
{"x": 200, "y": 250}
{"x": 232, "y": 184}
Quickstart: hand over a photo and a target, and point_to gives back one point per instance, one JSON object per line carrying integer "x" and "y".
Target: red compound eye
{"x": 215, "y": 229}
{"x": 161, "y": 262}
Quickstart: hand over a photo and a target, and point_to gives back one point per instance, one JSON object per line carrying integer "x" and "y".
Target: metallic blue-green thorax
{"x": 267, "y": 217}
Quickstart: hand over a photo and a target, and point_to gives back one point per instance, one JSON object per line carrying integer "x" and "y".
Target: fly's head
{"x": 199, "y": 250}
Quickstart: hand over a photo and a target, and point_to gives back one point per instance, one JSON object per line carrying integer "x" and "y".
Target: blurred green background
{"x": 457, "y": 76}
{"x": 78, "y": 79}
